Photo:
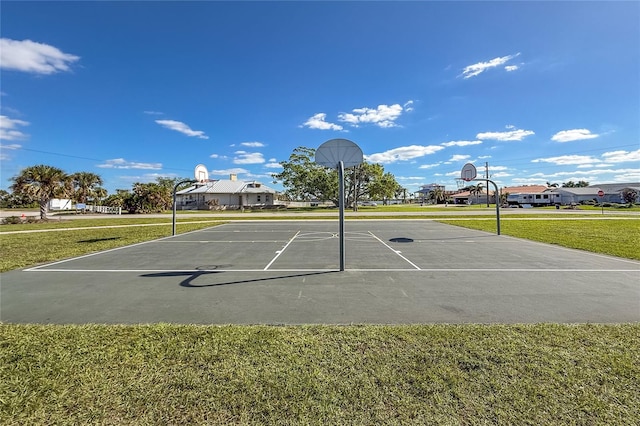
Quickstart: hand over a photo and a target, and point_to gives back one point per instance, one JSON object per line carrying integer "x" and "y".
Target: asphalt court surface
{"x": 287, "y": 272}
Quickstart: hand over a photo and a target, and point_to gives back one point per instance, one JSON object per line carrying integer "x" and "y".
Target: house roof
{"x": 226, "y": 186}
{"x": 578, "y": 191}
{"x": 467, "y": 194}
{"x": 530, "y": 189}
{"x": 617, "y": 187}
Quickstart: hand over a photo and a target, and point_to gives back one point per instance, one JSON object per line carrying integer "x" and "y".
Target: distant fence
{"x": 103, "y": 209}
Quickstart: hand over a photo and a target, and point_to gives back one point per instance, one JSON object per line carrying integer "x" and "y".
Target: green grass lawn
{"x": 22, "y": 250}
{"x": 418, "y": 374}
{"x": 615, "y": 237}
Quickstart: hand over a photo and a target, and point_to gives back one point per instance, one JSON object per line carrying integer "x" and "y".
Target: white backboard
{"x": 200, "y": 173}
{"x": 330, "y": 153}
{"x": 468, "y": 172}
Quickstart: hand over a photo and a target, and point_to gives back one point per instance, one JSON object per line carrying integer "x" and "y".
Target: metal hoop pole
{"x": 173, "y": 222}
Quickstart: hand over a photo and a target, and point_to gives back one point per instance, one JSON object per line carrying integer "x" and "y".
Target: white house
{"x": 225, "y": 194}
{"x": 60, "y": 204}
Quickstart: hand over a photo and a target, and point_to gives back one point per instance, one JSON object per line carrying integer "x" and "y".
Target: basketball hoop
{"x": 461, "y": 183}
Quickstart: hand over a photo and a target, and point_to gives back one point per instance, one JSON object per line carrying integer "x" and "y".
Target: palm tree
{"x": 86, "y": 185}
{"x": 479, "y": 188}
{"x": 42, "y": 183}
{"x": 436, "y": 194}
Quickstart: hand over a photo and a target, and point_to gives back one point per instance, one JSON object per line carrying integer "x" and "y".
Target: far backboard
{"x": 200, "y": 173}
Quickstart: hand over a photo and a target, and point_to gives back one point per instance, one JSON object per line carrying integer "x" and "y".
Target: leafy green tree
{"x": 304, "y": 180}
{"x": 150, "y": 197}
{"x": 382, "y": 185}
{"x": 11, "y": 200}
{"x": 629, "y": 196}
{"x": 42, "y": 183}
{"x": 87, "y": 186}
{"x": 572, "y": 184}
{"x": 119, "y": 199}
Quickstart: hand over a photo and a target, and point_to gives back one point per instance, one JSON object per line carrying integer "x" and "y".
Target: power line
{"x": 82, "y": 158}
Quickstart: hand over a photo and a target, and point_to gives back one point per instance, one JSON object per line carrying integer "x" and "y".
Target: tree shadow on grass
{"x": 191, "y": 276}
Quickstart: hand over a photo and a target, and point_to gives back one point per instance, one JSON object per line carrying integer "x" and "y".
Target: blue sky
{"x": 541, "y": 91}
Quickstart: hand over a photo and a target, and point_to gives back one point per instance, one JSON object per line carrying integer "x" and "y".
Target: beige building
{"x": 225, "y": 194}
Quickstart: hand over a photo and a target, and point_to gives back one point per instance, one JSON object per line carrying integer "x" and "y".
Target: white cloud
{"x": 273, "y": 165}
{"x": 179, "y": 126}
{"x": 429, "y": 166}
{"x": 244, "y": 157}
{"x": 484, "y": 157}
{"x": 621, "y": 156}
{"x": 475, "y": 69}
{"x": 252, "y": 144}
{"x": 510, "y": 135}
{"x": 382, "y": 116}
{"x": 631, "y": 176}
{"x": 10, "y": 147}
{"x": 121, "y": 163}
{"x": 564, "y": 160}
{"x": 260, "y": 176}
{"x": 318, "y": 122}
{"x": 235, "y": 170}
{"x": 510, "y": 68}
{"x": 8, "y": 130}
{"x": 221, "y": 157}
{"x": 410, "y": 177}
{"x": 408, "y": 106}
{"x": 461, "y": 143}
{"x": 459, "y": 157}
{"x": 403, "y": 153}
{"x": 29, "y": 56}
{"x": 153, "y": 113}
{"x": 573, "y": 135}
{"x": 500, "y": 175}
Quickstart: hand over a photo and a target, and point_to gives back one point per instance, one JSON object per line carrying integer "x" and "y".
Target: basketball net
{"x": 461, "y": 183}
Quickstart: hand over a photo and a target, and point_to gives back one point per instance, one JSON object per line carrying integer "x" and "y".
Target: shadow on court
{"x": 192, "y": 276}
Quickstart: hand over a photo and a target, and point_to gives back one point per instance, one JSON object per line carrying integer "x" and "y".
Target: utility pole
{"x": 486, "y": 175}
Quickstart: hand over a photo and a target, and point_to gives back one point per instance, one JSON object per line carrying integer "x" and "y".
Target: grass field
{"x": 421, "y": 374}
{"x": 615, "y": 237}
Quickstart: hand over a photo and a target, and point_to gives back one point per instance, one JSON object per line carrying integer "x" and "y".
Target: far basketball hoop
{"x": 201, "y": 174}
{"x": 468, "y": 172}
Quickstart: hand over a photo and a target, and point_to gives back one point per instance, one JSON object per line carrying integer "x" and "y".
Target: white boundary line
{"x": 332, "y": 270}
{"x": 279, "y": 252}
{"x": 395, "y": 251}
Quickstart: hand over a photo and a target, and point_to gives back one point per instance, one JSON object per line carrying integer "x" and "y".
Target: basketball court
{"x": 288, "y": 272}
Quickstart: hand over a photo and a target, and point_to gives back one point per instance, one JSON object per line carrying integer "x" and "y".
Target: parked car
{"x": 368, "y": 203}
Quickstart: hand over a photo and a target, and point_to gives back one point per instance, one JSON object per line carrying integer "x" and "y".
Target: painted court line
{"x": 395, "y": 251}
{"x": 555, "y": 270}
{"x": 279, "y": 252}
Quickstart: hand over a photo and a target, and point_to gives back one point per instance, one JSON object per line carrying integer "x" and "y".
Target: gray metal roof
{"x": 617, "y": 187}
{"x": 226, "y": 186}
{"x": 577, "y": 191}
